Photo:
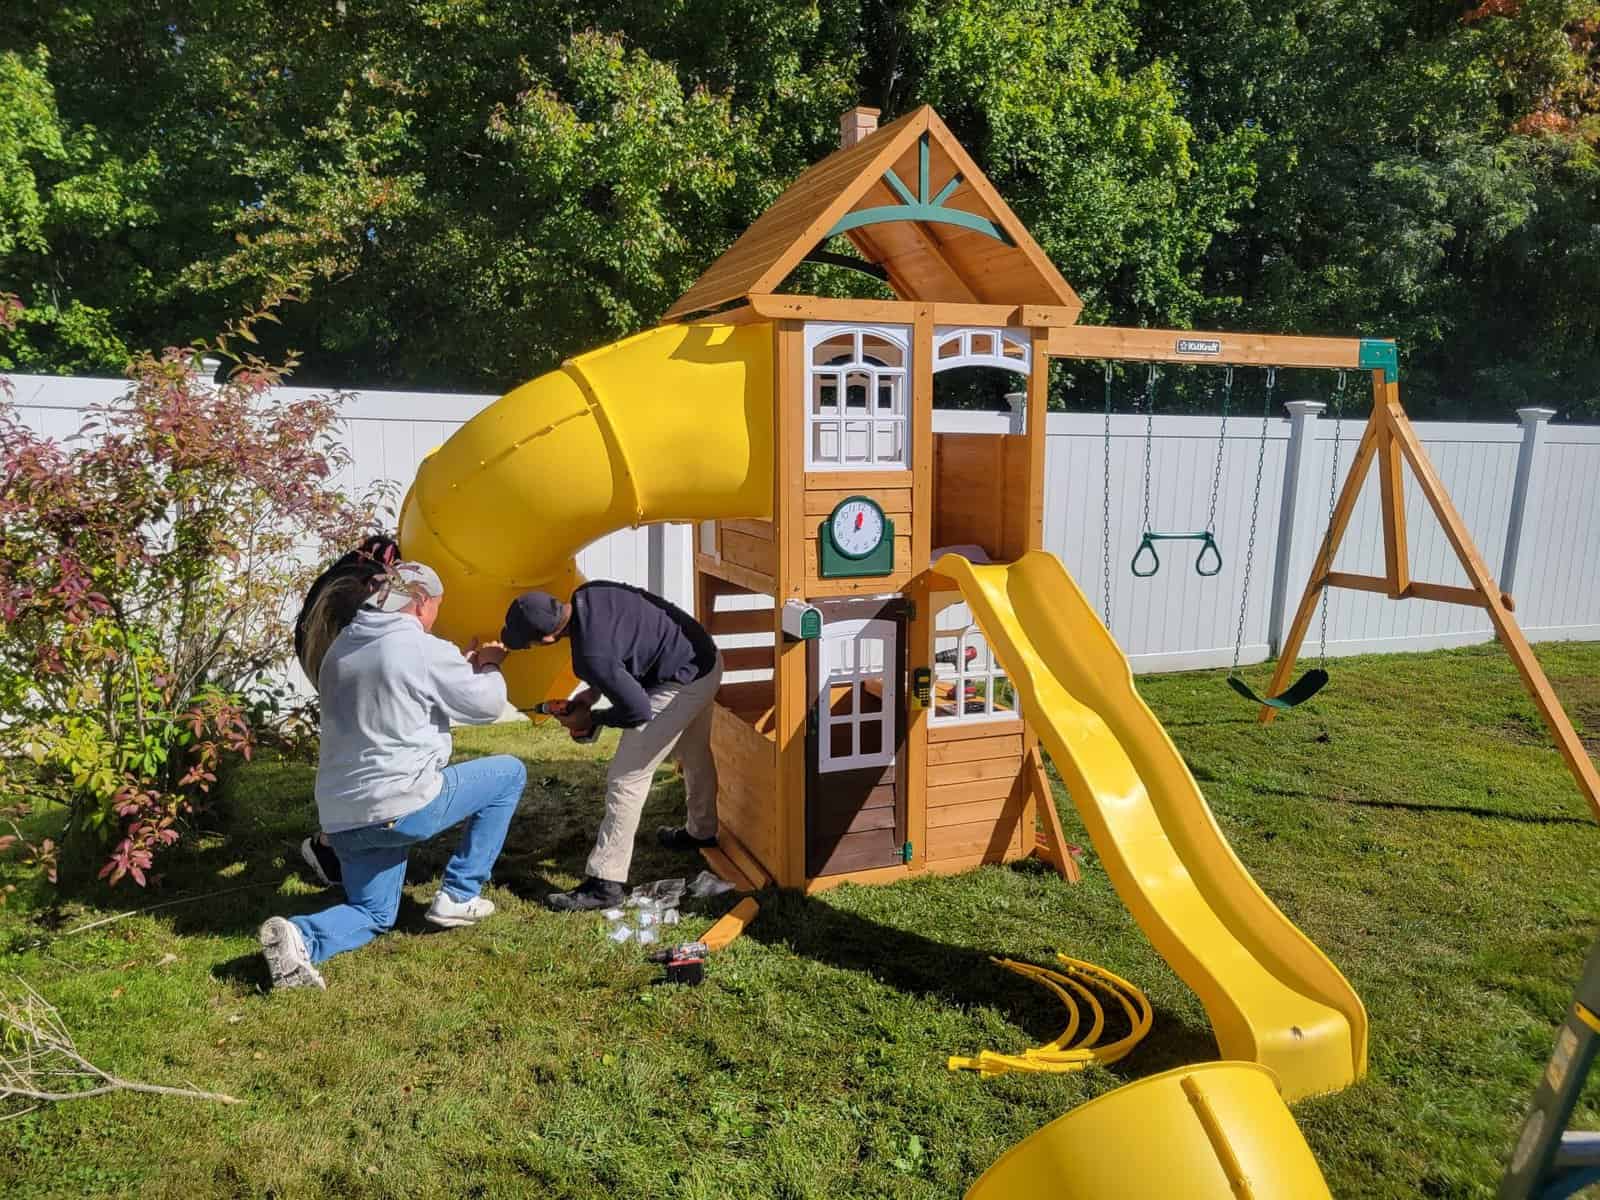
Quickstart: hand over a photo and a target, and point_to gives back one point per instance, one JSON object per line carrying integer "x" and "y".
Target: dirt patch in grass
{"x": 1524, "y": 731}
{"x": 1587, "y": 719}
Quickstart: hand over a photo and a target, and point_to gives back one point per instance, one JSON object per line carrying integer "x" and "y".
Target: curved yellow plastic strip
{"x": 1059, "y": 1055}
{"x": 1148, "y": 1141}
{"x": 1134, "y": 1003}
{"x": 1272, "y": 996}
{"x": 671, "y": 425}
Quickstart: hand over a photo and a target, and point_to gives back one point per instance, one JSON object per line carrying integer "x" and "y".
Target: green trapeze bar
{"x": 1202, "y": 565}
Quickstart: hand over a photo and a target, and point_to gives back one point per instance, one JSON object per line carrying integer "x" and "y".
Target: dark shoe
{"x": 324, "y": 863}
{"x": 591, "y": 893}
{"x": 677, "y": 837}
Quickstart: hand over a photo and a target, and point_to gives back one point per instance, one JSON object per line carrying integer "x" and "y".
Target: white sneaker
{"x": 287, "y": 956}
{"x": 452, "y": 913}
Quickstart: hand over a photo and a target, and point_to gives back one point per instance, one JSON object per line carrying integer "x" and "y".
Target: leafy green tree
{"x": 482, "y": 187}
{"x": 61, "y": 195}
{"x": 1422, "y": 174}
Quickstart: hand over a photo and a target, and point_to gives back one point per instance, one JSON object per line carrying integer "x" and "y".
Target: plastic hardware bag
{"x": 664, "y": 892}
{"x": 707, "y": 884}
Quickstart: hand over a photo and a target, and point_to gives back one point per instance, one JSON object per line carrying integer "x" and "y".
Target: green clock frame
{"x": 835, "y": 563}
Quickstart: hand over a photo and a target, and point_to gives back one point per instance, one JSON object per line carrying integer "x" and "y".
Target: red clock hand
{"x": 860, "y": 517}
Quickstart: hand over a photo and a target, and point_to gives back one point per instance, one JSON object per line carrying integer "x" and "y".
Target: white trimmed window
{"x": 969, "y": 684}
{"x": 857, "y": 379}
{"x": 856, "y": 694}
{"x": 962, "y": 346}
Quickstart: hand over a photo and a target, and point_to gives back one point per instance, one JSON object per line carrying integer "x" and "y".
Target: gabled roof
{"x": 912, "y": 201}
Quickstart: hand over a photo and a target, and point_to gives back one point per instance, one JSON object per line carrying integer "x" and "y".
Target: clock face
{"x": 857, "y": 527}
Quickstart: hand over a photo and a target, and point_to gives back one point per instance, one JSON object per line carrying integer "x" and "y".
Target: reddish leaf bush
{"x": 149, "y": 571}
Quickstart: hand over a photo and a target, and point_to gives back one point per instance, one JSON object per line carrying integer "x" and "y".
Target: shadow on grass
{"x": 964, "y": 977}
{"x": 1466, "y": 810}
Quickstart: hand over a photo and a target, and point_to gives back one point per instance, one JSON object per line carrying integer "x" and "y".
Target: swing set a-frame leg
{"x": 1367, "y": 447}
{"x": 1390, "y": 434}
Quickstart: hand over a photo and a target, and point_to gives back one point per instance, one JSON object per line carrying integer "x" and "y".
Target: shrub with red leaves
{"x": 149, "y": 569}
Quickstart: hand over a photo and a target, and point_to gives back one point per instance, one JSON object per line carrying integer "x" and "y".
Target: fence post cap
{"x": 1533, "y": 414}
{"x": 1309, "y": 408}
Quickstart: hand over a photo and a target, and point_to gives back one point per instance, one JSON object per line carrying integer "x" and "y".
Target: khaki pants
{"x": 681, "y": 727}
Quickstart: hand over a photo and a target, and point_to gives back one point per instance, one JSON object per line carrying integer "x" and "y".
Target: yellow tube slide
{"x": 670, "y": 425}
{"x": 1272, "y": 996}
{"x": 1216, "y": 1131}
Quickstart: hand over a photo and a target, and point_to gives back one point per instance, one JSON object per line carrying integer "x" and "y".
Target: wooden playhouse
{"x": 867, "y": 732}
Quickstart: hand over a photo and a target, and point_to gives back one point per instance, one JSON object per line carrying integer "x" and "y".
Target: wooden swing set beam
{"x": 1190, "y": 346}
{"x": 1390, "y": 437}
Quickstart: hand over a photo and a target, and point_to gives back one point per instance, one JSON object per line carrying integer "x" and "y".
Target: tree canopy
{"x": 479, "y": 187}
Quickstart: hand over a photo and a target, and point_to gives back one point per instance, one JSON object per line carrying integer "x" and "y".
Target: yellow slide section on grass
{"x": 670, "y": 425}
{"x": 1214, "y": 1131}
{"x": 1272, "y": 996}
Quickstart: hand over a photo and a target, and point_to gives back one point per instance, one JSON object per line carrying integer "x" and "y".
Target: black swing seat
{"x": 1296, "y": 694}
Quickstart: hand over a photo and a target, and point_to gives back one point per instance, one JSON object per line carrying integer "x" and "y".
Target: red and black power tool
{"x": 685, "y": 962}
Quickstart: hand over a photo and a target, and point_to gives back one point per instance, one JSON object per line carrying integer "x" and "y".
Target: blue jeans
{"x": 480, "y": 795}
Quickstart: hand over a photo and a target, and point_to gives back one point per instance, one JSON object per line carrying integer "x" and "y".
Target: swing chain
{"x": 1222, "y": 441}
{"x": 1255, "y": 510}
{"x": 1149, "y": 437}
{"x": 1333, "y": 483}
{"x": 1105, "y": 506}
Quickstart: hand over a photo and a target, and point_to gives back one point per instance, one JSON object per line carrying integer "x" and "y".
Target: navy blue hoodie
{"x": 627, "y": 642}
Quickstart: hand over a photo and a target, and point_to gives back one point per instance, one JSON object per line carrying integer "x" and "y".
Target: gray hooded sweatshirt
{"x": 389, "y": 694}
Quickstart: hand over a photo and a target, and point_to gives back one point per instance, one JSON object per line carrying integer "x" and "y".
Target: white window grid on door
{"x": 971, "y": 346}
{"x": 969, "y": 684}
{"x": 856, "y": 694}
{"x": 857, "y": 377}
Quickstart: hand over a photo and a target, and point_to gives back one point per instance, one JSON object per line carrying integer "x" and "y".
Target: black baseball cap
{"x": 532, "y": 616}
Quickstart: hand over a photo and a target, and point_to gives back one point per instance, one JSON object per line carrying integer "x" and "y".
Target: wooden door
{"x": 855, "y": 786}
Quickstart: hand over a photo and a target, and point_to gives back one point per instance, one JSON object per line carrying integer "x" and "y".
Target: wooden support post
{"x": 1391, "y": 480}
{"x": 722, "y": 935}
{"x": 1039, "y": 806}
{"x": 1052, "y": 841}
{"x": 789, "y": 657}
{"x": 1330, "y": 549}
{"x": 919, "y": 630}
{"x": 1038, "y": 407}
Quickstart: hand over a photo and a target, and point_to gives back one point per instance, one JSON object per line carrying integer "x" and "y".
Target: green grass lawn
{"x": 1414, "y": 821}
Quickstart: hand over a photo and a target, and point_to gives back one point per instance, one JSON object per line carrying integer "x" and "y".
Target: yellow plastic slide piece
{"x": 1215, "y": 1131}
{"x": 1060, "y": 1055}
{"x": 1272, "y": 996}
{"x": 671, "y": 425}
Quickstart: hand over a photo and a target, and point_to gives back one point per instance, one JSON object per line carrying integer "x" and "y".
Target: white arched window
{"x": 961, "y": 346}
{"x": 857, "y": 378}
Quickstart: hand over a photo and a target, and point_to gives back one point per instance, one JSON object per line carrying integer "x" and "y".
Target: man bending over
{"x": 390, "y": 691}
{"x": 660, "y": 670}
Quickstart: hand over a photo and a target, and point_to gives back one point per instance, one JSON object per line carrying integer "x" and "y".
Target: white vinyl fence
{"x": 1529, "y": 492}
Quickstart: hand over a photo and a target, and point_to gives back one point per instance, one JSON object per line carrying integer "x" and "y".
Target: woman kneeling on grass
{"x": 389, "y": 693}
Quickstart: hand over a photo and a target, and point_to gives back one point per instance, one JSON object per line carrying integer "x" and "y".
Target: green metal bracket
{"x": 922, "y": 206}
{"x": 1378, "y": 354}
{"x": 905, "y": 853}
